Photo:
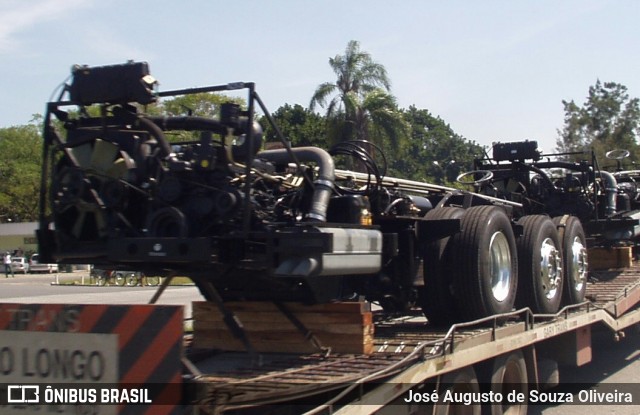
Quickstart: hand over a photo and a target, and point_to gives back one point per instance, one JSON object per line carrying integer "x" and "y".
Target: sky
{"x": 494, "y": 70}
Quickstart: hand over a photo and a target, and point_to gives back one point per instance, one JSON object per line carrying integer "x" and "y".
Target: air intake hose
{"x": 611, "y": 190}
{"x": 323, "y": 185}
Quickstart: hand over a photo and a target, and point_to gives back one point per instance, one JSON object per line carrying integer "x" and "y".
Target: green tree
{"x": 609, "y": 119}
{"x": 20, "y": 164}
{"x": 434, "y": 152}
{"x": 206, "y": 104}
{"x": 299, "y": 125}
{"x": 203, "y": 104}
{"x": 377, "y": 118}
{"x": 358, "y": 104}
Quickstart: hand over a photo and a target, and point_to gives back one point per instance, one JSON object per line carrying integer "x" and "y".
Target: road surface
{"x": 42, "y": 289}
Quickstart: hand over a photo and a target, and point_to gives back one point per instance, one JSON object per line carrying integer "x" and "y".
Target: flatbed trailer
{"x": 410, "y": 355}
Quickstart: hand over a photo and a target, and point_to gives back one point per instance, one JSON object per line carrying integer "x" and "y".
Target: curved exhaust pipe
{"x": 611, "y": 191}
{"x": 323, "y": 185}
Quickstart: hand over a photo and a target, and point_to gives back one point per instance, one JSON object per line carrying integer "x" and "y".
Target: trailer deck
{"x": 407, "y": 352}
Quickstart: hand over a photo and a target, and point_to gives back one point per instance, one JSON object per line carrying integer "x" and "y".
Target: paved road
{"x": 42, "y": 288}
{"x": 614, "y": 363}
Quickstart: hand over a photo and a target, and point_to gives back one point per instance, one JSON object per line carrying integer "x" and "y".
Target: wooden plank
{"x": 607, "y": 258}
{"x": 274, "y": 342}
{"x": 291, "y": 337}
{"x": 345, "y": 327}
{"x": 286, "y": 327}
{"x": 279, "y": 318}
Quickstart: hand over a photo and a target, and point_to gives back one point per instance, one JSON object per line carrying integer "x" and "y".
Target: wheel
{"x": 101, "y": 280}
{"x": 132, "y": 279}
{"x": 475, "y": 177}
{"x": 618, "y": 154}
{"x": 461, "y": 381}
{"x": 574, "y": 258}
{"x": 509, "y": 373}
{"x": 118, "y": 279}
{"x": 485, "y": 275}
{"x": 153, "y": 281}
{"x": 436, "y": 297}
{"x": 539, "y": 265}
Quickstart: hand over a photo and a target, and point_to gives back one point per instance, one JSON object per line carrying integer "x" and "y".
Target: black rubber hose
{"x": 157, "y": 133}
{"x": 189, "y": 123}
{"x": 323, "y": 185}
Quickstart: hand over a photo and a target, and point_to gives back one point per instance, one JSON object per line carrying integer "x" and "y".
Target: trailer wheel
{"x": 509, "y": 373}
{"x": 119, "y": 279}
{"x": 101, "y": 279}
{"x": 575, "y": 260}
{"x": 485, "y": 273}
{"x": 436, "y": 298}
{"x": 539, "y": 265}
{"x": 132, "y": 279}
{"x": 458, "y": 382}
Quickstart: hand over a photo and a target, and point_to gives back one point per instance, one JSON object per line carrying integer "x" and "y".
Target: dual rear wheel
{"x": 540, "y": 261}
{"x": 485, "y": 270}
{"x": 574, "y": 259}
{"x": 473, "y": 273}
{"x": 553, "y": 263}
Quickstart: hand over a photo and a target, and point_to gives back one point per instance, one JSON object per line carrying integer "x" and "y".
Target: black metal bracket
{"x": 308, "y": 334}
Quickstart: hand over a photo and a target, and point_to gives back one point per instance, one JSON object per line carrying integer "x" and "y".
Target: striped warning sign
{"x": 129, "y": 346}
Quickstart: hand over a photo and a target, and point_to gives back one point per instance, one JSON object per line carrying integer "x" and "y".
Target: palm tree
{"x": 358, "y": 103}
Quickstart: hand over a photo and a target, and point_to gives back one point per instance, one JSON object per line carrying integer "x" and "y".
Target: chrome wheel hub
{"x": 579, "y": 264}
{"x": 550, "y": 268}
{"x": 500, "y": 266}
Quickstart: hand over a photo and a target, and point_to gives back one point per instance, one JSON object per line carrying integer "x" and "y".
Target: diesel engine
{"x": 127, "y": 186}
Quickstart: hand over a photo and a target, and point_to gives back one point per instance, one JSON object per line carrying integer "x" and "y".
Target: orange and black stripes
{"x": 149, "y": 342}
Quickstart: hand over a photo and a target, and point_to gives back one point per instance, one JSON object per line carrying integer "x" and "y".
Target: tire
{"x": 460, "y": 381}
{"x": 574, "y": 258}
{"x": 118, "y": 279}
{"x": 539, "y": 265}
{"x": 101, "y": 280}
{"x": 436, "y": 297}
{"x": 153, "y": 281}
{"x": 509, "y": 372}
{"x": 131, "y": 280}
{"x": 485, "y": 275}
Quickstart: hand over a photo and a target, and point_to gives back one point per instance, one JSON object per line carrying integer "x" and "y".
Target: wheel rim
{"x": 550, "y": 268}
{"x": 500, "y": 266}
{"x": 578, "y": 264}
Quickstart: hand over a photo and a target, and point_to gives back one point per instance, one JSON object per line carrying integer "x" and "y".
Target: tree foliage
{"x": 204, "y": 104}
{"x": 358, "y": 104}
{"x": 434, "y": 152}
{"x": 299, "y": 125}
{"x": 609, "y": 119}
{"x": 20, "y": 164}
